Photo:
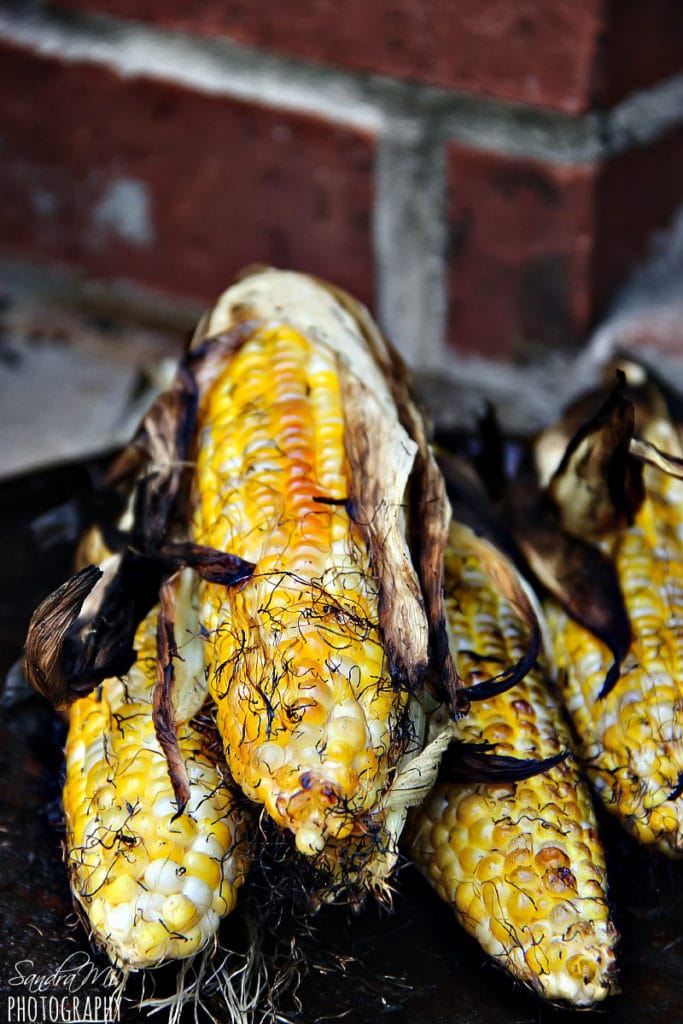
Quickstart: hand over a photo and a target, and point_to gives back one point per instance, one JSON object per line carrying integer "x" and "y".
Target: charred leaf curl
{"x": 649, "y": 453}
{"x": 575, "y": 572}
{"x": 210, "y": 564}
{"x": 66, "y": 655}
{"x": 429, "y": 511}
{"x": 506, "y": 581}
{"x": 163, "y": 709}
{"x": 45, "y": 666}
{"x": 381, "y": 459}
{"x": 156, "y": 461}
{"x": 598, "y": 486}
{"x": 473, "y": 763}
{"x": 477, "y": 528}
{"x": 428, "y": 525}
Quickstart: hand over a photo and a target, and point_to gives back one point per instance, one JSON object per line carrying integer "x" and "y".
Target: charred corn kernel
{"x": 632, "y": 739}
{"x": 311, "y": 722}
{"x": 146, "y": 879}
{"x": 520, "y": 864}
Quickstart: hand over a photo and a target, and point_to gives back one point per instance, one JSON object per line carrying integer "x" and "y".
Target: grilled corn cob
{"x": 154, "y": 884}
{"x": 519, "y": 863}
{"x": 275, "y": 469}
{"x": 632, "y": 738}
{"x": 312, "y": 722}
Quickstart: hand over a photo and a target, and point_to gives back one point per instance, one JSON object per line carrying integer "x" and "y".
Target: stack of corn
{"x": 312, "y": 665}
{"x": 291, "y": 445}
{"x": 520, "y": 863}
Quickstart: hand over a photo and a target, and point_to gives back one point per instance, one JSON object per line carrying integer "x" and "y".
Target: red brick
{"x": 638, "y": 192}
{"x": 520, "y": 252}
{"x": 537, "y": 250}
{"x": 643, "y": 44}
{"x": 226, "y": 183}
{"x": 537, "y": 51}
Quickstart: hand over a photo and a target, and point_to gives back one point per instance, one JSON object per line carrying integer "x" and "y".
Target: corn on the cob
{"x": 632, "y": 738}
{"x": 292, "y": 424}
{"x": 154, "y": 884}
{"x": 312, "y": 721}
{"x": 519, "y": 863}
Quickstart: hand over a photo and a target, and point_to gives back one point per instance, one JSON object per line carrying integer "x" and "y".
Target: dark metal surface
{"x": 413, "y": 966}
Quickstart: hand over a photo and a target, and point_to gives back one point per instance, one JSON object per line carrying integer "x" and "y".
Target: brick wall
{"x": 485, "y": 175}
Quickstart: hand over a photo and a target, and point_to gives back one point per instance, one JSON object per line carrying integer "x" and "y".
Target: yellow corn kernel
{"x": 119, "y": 889}
{"x": 299, "y": 642}
{"x": 518, "y": 863}
{"x": 632, "y": 739}
{"x": 179, "y": 912}
{"x": 142, "y": 877}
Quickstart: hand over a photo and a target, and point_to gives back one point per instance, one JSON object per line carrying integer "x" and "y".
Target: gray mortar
{"x": 220, "y": 67}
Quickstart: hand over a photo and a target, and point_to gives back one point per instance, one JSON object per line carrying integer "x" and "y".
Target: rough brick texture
{"x": 638, "y": 192}
{"x": 536, "y": 250}
{"x": 643, "y": 44}
{"x": 565, "y": 54}
{"x": 519, "y": 251}
{"x": 173, "y": 189}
